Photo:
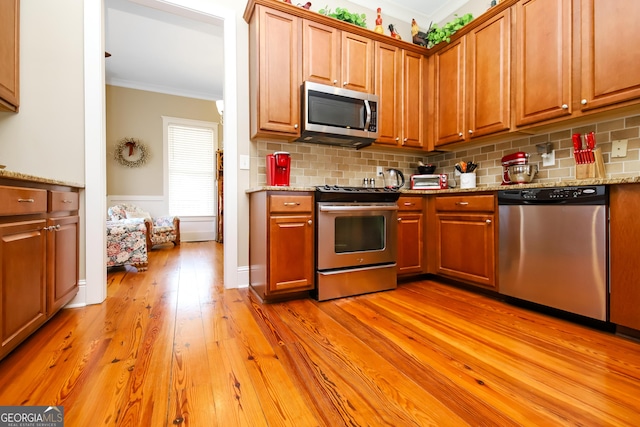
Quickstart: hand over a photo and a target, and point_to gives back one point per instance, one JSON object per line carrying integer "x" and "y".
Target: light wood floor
{"x": 171, "y": 347}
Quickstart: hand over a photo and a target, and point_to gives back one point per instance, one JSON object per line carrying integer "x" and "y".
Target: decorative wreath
{"x": 131, "y": 153}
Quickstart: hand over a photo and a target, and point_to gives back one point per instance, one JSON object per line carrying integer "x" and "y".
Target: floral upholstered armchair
{"x": 160, "y": 230}
{"x": 127, "y": 243}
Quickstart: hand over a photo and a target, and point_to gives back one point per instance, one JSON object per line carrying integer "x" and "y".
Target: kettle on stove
{"x": 393, "y": 179}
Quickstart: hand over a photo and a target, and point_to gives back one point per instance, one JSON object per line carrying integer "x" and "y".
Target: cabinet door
{"x": 22, "y": 281}
{"x": 279, "y": 47}
{"x": 62, "y": 262}
{"x": 624, "y": 236}
{"x": 290, "y": 253}
{"x": 410, "y": 242}
{"x": 466, "y": 247}
{"x": 357, "y": 62}
{"x": 610, "y": 59}
{"x": 413, "y": 99}
{"x": 450, "y": 93}
{"x": 388, "y": 87}
{"x": 489, "y": 76}
{"x": 321, "y": 53}
{"x": 543, "y": 60}
{"x": 9, "y": 55}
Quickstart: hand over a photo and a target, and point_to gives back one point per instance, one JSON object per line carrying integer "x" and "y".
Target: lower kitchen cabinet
{"x": 411, "y": 235}
{"x": 38, "y": 258}
{"x": 465, "y": 238}
{"x": 281, "y": 244}
{"x": 624, "y": 234}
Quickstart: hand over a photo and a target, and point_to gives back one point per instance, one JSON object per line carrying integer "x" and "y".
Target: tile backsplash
{"x": 314, "y": 164}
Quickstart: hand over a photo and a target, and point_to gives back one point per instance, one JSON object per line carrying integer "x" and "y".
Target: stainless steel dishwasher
{"x": 553, "y": 247}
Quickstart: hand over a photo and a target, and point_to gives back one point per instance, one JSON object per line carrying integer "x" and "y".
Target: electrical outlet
{"x": 379, "y": 170}
{"x": 619, "y": 148}
{"x": 549, "y": 159}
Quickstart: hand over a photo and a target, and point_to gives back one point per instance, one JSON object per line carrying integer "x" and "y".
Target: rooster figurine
{"x": 394, "y": 33}
{"x": 378, "y": 29}
{"x": 307, "y": 5}
{"x": 419, "y": 37}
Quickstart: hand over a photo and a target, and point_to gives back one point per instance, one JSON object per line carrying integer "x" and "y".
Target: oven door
{"x": 356, "y": 234}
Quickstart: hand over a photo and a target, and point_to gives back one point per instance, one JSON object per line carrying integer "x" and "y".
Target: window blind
{"x": 191, "y": 162}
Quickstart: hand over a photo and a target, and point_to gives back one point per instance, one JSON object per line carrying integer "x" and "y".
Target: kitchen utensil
{"x": 393, "y": 179}
{"x": 522, "y": 174}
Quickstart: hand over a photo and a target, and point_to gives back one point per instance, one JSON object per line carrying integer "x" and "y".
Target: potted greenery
{"x": 344, "y": 15}
{"x": 437, "y": 34}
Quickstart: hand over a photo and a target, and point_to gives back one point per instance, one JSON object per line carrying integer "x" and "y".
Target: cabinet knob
{"x": 470, "y": 131}
{"x": 309, "y": 222}
{"x": 565, "y": 107}
{"x": 399, "y": 219}
{"x": 335, "y": 82}
{"x": 488, "y": 221}
{"x": 398, "y": 138}
{"x": 405, "y": 140}
{"x": 344, "y": 83}
{"x": 460, "y": 134}
{"x": 295, "y": 126}
{"x": 583, "y": 102}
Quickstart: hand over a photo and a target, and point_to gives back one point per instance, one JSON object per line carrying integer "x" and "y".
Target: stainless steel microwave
{"x": 336, "y": 116}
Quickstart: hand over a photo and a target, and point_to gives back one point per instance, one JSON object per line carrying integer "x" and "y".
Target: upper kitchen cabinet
{"x": 472, "y": 83}
{"x": 275, "y": 45}
{"x": 401, "y": 86}
{"x": 9, "y": 55}
{"x": 336, "y": 58}
{"x": 543, "y": 60}
{"x": 609, "y": 67}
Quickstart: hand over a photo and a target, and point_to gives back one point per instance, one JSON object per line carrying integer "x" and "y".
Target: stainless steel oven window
{"x": 359, "y": 233}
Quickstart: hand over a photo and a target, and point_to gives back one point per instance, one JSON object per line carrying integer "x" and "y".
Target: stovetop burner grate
{"x": 335, "y": 193}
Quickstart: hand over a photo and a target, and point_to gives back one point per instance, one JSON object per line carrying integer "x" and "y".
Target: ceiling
{"x": 179, "y": 52}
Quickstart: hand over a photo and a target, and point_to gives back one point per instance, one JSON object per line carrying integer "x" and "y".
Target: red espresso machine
{"x": 518, "y": 158}
{"x": 278, "y": 168}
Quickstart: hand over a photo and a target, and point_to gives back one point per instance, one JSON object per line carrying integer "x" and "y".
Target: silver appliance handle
{"x": 374, "y": 267}
{"x": 358, "y": 208}
{"x": 367, "y": 121}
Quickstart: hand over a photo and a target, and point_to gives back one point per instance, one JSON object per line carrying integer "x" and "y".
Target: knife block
{"x": 591, "y": 170}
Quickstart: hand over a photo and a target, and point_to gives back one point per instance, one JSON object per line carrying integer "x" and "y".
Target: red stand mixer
{"x": 518, "y": 158}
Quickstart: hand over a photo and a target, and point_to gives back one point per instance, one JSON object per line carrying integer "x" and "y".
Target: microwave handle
{"x": 367, "y": 120}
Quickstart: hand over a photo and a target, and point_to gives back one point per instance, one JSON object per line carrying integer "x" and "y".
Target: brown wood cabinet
{"x": 472, "y": 83}
{"x": 38, "y": 257}
{"x": 624, "y": 234}
{"x": 275, "y": 43}
{"x": 282, "y": 243}
{"x": 402, "y": 88}
{"x": 609, "y": 64}
{"x": 411, "y": 235}
{"x": 9, "y": 55}
{"x": 465, "y": 238}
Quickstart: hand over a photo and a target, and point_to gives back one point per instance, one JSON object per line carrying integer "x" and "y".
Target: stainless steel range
{"x": 356, "y": 237}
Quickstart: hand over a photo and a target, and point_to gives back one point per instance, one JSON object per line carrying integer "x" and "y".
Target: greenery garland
{"x": 131, "y": 144}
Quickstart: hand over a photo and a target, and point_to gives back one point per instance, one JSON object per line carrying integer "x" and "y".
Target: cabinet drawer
{"x": 410, "y": 203}
{"x": 63, "y": 201}
{"x": 22, "y": 201}
{"x": 292, "y": 203}
{"x": 484, "y": 203}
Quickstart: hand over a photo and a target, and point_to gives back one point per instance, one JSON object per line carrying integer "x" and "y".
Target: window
{"x": 191, "y": 150}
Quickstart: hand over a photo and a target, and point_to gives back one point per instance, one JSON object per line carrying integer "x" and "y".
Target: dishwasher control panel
{"x": 596, "y": 194}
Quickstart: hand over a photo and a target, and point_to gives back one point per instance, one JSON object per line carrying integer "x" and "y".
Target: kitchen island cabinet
{"x": 9, "y": 55}
{"x": 465, "y": 238}
{"x": 472, "y": 83}
{"x": 624, "y": 234}
{"x": 411, "y": 235}
{"x": 38, "y": 256}
{"x": 281, "y": 244}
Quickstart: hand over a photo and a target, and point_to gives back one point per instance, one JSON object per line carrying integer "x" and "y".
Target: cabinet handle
{"x": 309, "y": 222}
{"x": 565, "y": 107}
{"x": 399, "y": 219}
{"x": 67, "y": 201}
{"x": 405, "y": 140}
{"x": 295, "y": 126}
{"x": 335, "y": 82}
{"x": 398, "y": 138}
{"x": 460, "y": 134}
{"x": 26, "y": 201}
{"x": 470, "y": 131}
{"x": 583, "y": 102}
{"x": 52, "y": 228}
{"x": 291, "y": 203}
{"x": 409, "y": 204}
{"x": 462, "y": 203}
{"x": 488, "y": 221}
{"x": 344, "y": 83}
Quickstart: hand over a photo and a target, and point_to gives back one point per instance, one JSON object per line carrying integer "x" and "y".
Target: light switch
{"x": 619, "y": 148}
{"x": 245, "y": 163}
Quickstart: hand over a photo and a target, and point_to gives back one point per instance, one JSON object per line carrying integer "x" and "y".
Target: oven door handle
{"x": 357, "y": 208}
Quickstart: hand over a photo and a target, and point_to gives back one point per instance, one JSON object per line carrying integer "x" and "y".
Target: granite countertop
{"x": 497, "y": 187}
{"x": 32, "y": 178}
